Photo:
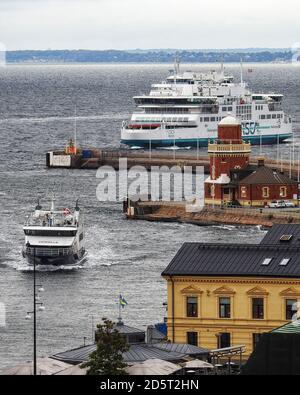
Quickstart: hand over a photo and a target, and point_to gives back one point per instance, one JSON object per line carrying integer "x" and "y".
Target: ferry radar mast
{"x": 242, "y": 73}
{"x": 176, "y": 65}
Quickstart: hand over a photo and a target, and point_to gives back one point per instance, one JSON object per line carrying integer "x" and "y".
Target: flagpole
{"x": 120, "y": 317}
{"x": 75, "y": 131}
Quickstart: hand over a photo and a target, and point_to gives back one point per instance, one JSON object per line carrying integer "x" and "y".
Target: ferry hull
{"x": 69, "y": 260}
{"x": 203, "y": 142}
{"x": 253, "y": 133}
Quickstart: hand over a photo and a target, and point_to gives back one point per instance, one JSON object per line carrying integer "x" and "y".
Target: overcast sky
{"x": 130, "y": 24}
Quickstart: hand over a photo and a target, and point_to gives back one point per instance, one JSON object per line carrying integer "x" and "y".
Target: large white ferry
{"x": 54, "y": 237}
{"x": 185, "y": 109}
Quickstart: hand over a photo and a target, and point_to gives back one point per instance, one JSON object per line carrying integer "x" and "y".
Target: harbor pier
{"x": 209, "y": 214}
{"x": 96, "y": 157}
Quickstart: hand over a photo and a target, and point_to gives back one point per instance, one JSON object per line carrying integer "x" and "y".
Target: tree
{"x": 107, "y": 359}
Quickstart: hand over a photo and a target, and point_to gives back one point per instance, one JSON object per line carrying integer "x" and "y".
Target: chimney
{"x": 261, "y": 162}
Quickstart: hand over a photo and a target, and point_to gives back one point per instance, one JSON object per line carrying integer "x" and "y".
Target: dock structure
{"x": 208, "y": 215}
{"x": 94, "y": 158}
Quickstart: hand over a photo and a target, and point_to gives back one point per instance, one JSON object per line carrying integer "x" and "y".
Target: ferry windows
{"x": 213, "y": 119}
{"x": 229, "y": 109}
{"x": 258, "y": 308}
{"x": 262, "y": 117}
{"x": 206, "y": 119}
{"x": 290, "y": 308}
{"x": 244, "y": 112}
{"x": 81, "y": 236}
{"x": 224, "y": 307}
{"x": 265, "y": 192}
{"x": 192, "y": 338}
{"x": 192, "y": 307}
{"x": 49, "y": 233}
{"x": 274, "y": 116}
{"x": 269, "y": 116}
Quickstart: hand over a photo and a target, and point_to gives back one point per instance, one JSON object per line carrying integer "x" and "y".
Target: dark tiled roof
{"x": 274, "y": 234}
{"x": 197, "y": 259}
{"x": 136, "y": 353}
{"x": 76, "y": 355}
{"x": 182, "y": 348}
{"x": 127, "y": 330}
{"x": 142, "y": 352}
{"x": 237, "y": 175}
{"x": 265, "y": 175}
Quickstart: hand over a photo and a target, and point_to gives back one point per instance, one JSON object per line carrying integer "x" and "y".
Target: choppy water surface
{"x": 36, "y": 114}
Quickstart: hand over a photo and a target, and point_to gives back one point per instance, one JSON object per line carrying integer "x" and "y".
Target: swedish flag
{"x": 122, "y": 301}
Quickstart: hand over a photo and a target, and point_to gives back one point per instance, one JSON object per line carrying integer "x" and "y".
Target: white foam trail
{"x": 48, "y": 268}
{"x": 174, "y": 148}
{"x": 227, "y": 227}
{"x": 54, "y": 119}
{"x": 23, "y": 266}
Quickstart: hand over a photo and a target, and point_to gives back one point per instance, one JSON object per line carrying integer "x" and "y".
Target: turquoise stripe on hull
{"x": 254, "y": 140}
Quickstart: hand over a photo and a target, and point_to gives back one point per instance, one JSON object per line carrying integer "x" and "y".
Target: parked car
{"x": 288, "y": 203}
{"x": 277, "y": 204}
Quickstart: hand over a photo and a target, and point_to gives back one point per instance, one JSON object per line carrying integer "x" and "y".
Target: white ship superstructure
{"x": 54, "y": 237}
{"x": 185, "y": 110}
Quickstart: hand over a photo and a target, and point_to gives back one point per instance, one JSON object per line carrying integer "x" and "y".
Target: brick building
{"x": 233, "y": 180}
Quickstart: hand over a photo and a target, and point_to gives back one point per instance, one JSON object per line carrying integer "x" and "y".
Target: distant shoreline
{"x": 208, "y": 64}
{"x": 148, "y": 57}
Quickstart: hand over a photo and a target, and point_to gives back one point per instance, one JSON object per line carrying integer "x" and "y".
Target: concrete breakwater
{"x": 179, "y": 212}
{"x": 94, "y": 158}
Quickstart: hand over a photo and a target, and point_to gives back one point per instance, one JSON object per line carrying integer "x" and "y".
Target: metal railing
{"x": 229, "y": 147}
{"x": 46, "y": 252}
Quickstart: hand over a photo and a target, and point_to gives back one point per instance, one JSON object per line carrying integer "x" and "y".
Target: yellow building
{"x": 228, "y": 295}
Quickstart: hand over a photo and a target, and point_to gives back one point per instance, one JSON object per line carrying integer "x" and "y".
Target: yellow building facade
{"x": 217, "y": 312}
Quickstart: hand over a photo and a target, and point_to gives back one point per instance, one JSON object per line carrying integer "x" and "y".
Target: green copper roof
{"x": 292, "y": 327}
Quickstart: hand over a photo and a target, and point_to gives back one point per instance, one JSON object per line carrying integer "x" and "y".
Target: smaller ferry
{"x": 54, "y": 237}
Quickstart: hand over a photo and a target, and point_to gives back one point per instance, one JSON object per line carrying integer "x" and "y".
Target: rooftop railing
{"x": 245, "y": 147}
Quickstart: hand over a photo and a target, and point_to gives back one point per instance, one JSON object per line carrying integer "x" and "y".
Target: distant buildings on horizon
{"x": 251, "y": 55}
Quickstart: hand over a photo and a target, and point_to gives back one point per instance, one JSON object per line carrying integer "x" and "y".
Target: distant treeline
{"x": 155, "y": 56}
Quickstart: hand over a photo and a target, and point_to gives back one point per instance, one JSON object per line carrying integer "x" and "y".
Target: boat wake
{"x": 174, "y": 148}
{"x": 226, "y": 227}
{"x": 24, "y": 267}
{"x": 54, "y": 119}
{"x": 48, "y": 268}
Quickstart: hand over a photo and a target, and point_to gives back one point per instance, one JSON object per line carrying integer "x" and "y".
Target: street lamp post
{"x": 35, "y": 303}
